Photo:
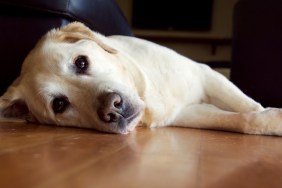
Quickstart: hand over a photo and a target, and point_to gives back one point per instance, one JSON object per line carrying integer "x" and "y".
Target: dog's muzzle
{"x": 116, "y": 111}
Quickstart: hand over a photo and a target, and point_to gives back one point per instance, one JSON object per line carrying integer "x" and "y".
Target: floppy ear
{"x": 76, "y": 31}
{"x": 12, "y": 104}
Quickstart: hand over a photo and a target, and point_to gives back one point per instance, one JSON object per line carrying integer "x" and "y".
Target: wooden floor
{"x": 45, "y": 156}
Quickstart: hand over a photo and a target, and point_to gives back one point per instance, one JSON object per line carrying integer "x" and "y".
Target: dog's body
{"x": 76, "y": 77}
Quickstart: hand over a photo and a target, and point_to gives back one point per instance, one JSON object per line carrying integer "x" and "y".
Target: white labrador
{"x": 77, "y": 77}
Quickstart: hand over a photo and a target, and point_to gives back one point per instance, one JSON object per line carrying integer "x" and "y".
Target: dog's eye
{"x": 60, "y": 104}
{"x": 81, "y": 64}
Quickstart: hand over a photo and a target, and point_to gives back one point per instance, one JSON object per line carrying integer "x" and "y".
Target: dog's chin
{"x": 132, "y": 122}
{"x": 123, "y": 125}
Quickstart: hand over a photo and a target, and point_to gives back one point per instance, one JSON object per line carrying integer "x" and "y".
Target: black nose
{"x": 111, "y": 106}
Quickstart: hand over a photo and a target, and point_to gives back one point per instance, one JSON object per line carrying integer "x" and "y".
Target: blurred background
{"x": 198, "y": 29}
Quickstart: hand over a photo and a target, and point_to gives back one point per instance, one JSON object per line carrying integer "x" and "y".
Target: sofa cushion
{"x": 100, "y": 15}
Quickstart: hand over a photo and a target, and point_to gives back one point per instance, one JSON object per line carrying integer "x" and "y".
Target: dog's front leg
{"x": 224, "y": 94}
{"x": 206, "y": 116}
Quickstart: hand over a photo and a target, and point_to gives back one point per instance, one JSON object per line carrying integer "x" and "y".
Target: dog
{"x": 77, "y": 77}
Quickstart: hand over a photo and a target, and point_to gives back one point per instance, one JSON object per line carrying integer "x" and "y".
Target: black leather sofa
{"x": 23, "y": 22}
{"x": 257, "y": 50}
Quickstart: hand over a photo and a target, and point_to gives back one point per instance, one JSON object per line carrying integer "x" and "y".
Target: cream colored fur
{"x": 163, "y": 87}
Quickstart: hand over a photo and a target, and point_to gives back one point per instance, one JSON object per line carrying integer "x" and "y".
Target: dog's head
{"x": 74, "y": 78}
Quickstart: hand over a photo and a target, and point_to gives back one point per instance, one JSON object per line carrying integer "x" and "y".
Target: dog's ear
{"x": 12, "y": 104}
{"x": 76, "y": 31}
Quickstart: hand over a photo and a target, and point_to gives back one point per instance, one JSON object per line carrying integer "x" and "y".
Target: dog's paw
{"x": 266, "y": 122}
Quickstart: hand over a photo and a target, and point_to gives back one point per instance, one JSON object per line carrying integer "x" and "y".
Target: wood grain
{"x": 37, "y": 156}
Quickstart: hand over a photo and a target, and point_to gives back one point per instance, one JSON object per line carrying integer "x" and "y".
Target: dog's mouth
{"x": 133, "y": 117}
{"x": 117, "y": 113}
{"x": 127, "y": 125}
{"x": 122, "y": 124}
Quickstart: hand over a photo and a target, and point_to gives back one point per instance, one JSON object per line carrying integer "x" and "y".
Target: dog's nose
{"x": 110, "y": 108}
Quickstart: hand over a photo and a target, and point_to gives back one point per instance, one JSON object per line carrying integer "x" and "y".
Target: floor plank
{"x": 34, "y": 156}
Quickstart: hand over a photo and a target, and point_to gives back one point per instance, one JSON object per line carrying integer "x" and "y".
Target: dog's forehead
{"x": 49, "y": 51}
{"x": 49, "y": 45}
{"x": 50, "y": 57}
{"x": 53, "y": 50}
{"x": 40, "y": 57}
